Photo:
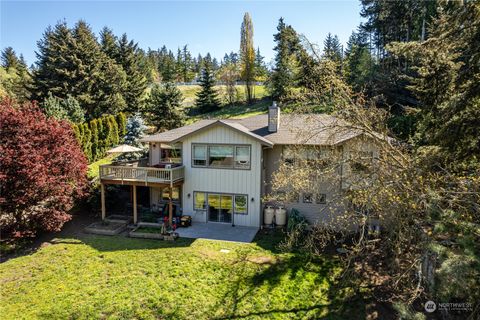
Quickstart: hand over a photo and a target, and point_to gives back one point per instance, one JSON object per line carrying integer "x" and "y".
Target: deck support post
{"x": 170, "y": 206}
{"x": 102, "y": 193}
{"x": 134, "y": 204}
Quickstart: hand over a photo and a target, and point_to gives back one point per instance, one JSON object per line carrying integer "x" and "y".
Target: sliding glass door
{"x": 220, "y": 207}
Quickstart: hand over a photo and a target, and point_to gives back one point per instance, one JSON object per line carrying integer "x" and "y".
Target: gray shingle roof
{"x": 307, "y": 129}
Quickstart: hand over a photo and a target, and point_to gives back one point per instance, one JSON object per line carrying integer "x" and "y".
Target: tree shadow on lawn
{"x": 73, "y": 233}
{"x": 242, "y": 289}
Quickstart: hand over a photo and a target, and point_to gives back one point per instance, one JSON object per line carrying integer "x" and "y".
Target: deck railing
{"x": 141, "y": 174}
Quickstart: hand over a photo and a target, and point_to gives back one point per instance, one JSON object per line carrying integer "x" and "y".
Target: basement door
{"x": 220, "y": 207}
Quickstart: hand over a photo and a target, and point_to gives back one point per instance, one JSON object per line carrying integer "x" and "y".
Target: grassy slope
{"x": 237, "y": 111}
{"x": 122, "y": 278}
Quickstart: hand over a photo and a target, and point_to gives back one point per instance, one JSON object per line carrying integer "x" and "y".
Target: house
{"x": 221, "y": 170}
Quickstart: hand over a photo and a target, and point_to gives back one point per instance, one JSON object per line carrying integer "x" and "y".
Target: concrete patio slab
{"x": 218, "y": 231}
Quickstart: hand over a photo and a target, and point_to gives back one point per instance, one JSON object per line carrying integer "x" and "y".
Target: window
{"x": 321, "y": 198}
{"x": 242, "y": 157}
{"x": 307, "y": 198}
{"x": 200, "y": 156}
{"x": 199, "y": 201}
{"x": 240, "y": 204}
{"x": 362, "y": 164}
{"x": 221, "y": 156}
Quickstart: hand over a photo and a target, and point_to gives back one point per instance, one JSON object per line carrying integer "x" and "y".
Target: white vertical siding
{"x": 233, "y": 181}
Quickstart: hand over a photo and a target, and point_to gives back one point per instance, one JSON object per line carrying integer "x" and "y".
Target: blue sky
{"x": 206, "y": 26}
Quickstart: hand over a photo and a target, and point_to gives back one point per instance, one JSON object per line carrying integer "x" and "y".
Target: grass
{"x": 93, "y": 168}
{"x": 189, "y": 93}
{"x": 123, "y": 278}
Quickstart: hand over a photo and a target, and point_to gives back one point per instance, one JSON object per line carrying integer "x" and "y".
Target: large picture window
{"x": 221, "y": 156}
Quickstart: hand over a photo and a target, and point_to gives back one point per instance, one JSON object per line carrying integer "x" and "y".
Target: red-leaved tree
{"x": 42, "y": 170}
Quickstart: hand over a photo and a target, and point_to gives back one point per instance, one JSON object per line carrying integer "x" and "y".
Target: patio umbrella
{"x": 124, "y": 148}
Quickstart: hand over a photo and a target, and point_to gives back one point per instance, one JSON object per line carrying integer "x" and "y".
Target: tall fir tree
{"x": 9, "y": 59}
{"x": 283, "y": 77}
{"x": 130, "y": 59}
{"x": 247, "y": 56}
{"x": 261, "y": 70}
{"x": 207, "y": 97}
{"x": 163, "y": 108}
{"x": 332, "y": 48}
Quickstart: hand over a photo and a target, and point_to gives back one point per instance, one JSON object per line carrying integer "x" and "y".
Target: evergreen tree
{"x": 444, "y": 66}
{"x": 108, "y": 42}
{"x": 130, "y": 60}
{"x": 284, "y": 72}
{"x": 121, "y": 119}
{"x": 187, "y": 65}
{"x": 207, "y": 99}
{"x": 55, "y": 66}
{"x": 261, "y": 70}
{"x": 247, "y": 56}
{"x": 135, "y": 130}
{"x": 15, "y": 78}
{"x": 96, "y": 149}
{"x": 332, "y": 49}
{"x": 359, "y": 64}
{"x": 163, "y": 107}
{"x": 71, "y": 62}
{"x": 67, "y": 109}
{"x": 9, "y": 59}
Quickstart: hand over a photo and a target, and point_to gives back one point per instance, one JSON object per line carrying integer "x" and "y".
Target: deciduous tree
{"x": 42, "y": 170}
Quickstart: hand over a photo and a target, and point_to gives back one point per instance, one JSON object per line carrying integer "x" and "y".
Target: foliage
{"x": 282, "y": 78}
{"x": 332, "y": 49}
{"x": 42, "y": 170}
{"x": 71, "y": 62}
{"x": 163, "y": 107}
{"x": 207, "y": 98}
{"x": 247, "y": 56}
{"x": 445, "y": 82}
{"x": 121, "y": 119}
{"x": 135, "y": 130}
{"x": 261, "y": 70}
{"x": 98, "y": 135}
{"x": 359, "y": 63}
{"x": 15, "y": 78}
{"x": 128, "y": 56}
{"x": 229, "y": 73}
{"x": 63, "y": 109}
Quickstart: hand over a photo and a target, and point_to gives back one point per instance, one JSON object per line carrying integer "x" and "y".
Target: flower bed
{"x": 146, "y": 232}
{"x": 108, "y": 228}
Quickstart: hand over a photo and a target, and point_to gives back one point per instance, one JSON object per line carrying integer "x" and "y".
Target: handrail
{"x": 142, "y": 174}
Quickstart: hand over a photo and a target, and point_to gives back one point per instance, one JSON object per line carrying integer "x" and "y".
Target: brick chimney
{"x": 273, "y": 117}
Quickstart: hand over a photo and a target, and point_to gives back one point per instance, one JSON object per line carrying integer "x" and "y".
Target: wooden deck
{"x": 141, "y": 176}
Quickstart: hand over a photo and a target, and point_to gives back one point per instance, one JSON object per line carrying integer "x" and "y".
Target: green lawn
{"x": 122, "y": 278}
{"x": 93, "y": 168}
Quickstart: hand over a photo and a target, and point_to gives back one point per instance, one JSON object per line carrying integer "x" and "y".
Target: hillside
{"x": 239, "y": 110}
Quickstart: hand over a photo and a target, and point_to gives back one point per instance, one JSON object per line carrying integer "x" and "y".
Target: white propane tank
{"x": 280, "y": 216}
{"x": 268, "y": 215}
